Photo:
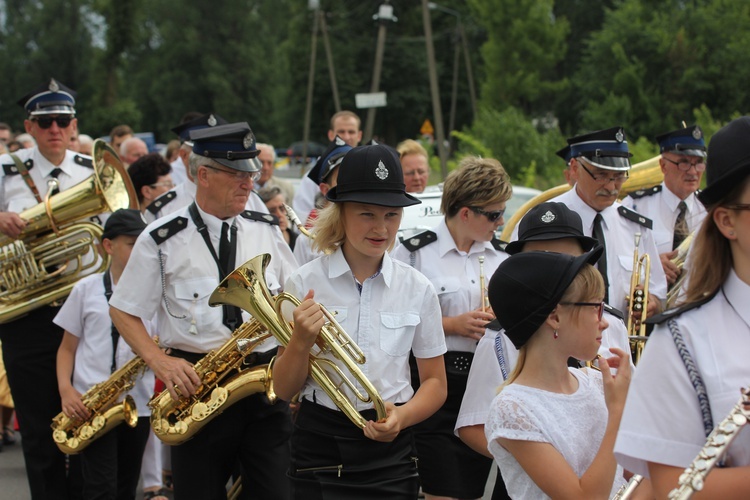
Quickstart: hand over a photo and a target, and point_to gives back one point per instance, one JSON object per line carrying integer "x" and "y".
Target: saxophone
{"x": 225, "y": 379}
{"x": 72, "y": 435}
{"x": 718, "y": 441}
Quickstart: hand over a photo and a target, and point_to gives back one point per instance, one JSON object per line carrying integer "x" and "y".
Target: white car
{"x": 426, "y": 215}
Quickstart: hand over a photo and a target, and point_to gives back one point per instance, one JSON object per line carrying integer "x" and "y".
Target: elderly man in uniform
{"x": 176, "y": 264}
{"x": 267, "y": 159}
{"x": 599, "y": 162}
{"x": 30, "y": 343}
{"x": 673, "y": 205}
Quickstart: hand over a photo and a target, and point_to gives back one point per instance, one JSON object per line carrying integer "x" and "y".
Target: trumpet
{"x": 638, "y": 301}
{"x": 482, "y": 284}
{"x": 246, "y": 287}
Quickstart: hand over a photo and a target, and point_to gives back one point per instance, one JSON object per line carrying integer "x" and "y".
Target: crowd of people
{"x": 481, "y": 353}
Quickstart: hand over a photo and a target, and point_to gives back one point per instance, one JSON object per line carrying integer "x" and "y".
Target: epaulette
{"x": 634, "y": 216}
{"x": 84, "y": 161}
{"x": 614, "y": 311}
{"x": 499, "y": 244}
{"x": 169, "y": 229}
{"x": 641, "y": 193}
{"x": 260, "y": 217}
{"x": 420, "y": 240}
{"x": 11, "y": 169}
{"x": 676, "y": 311}
{"x": 494, "y": 325}
{"x": 161, "y": 202}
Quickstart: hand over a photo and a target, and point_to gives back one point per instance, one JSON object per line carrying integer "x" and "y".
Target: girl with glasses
{"x": 458, "y": 257}
{"x": 552, "y": 428}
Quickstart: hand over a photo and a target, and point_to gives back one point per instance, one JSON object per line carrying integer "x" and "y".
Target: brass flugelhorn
{"x": 246, "y": 288}
{"x": 638, "y": 301}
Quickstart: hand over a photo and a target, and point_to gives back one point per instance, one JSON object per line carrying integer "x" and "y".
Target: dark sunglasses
{"x": 45, "y": 122}
{"x": 600, "y": 305}
{"x": 491, "y": 216}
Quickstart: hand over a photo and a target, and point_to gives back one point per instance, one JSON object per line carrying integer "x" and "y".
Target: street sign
{"x": 372, "y": 100}
{"x": 427, "y": 128}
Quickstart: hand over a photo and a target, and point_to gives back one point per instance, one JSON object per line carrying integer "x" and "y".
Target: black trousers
{"x": 112, "y": 463}
{"x": 333, "y": 460}
{"x": 30, "y": 353}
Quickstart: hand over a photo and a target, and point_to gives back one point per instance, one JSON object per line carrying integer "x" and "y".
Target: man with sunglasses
{"x": 30, "y": 343}
{"x": 176, "y": 264}
{"x": 599, "y": 163}
{"x": 673, "y": 205}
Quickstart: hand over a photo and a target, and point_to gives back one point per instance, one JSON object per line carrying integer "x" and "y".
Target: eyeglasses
{"x": 739, "y": 206}
{"x": 685, "y": 165}
{"x": 491, "y": 216}
{"x": 599, "y": 305}
{"x": 603, "y": 178}
{"x": 168, "y": 184}
{"x": 237, "y": 174}
{"x": 45, "y": 122}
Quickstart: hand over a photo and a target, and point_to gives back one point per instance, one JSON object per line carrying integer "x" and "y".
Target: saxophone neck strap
{"x": 26, "y": 177}
{"x": 107, "y": 279}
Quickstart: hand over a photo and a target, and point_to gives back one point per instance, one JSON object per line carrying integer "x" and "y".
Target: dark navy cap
{"x": 372, "y": 175}
{"x": 526, "y": 287}
{"x": 51, "y": 98}
{"x": 728, "y": 160}
{"x": 606, "y": 149}
{"x": 330, "y": 159}
{"x": 125, "y": 221}
{"x": 564, "y": 153}
{"x": 685, "y": 141}
{"x": 203, "y": 121}
{"x": 550, "y": 221}
{"x": 232, "y": 145}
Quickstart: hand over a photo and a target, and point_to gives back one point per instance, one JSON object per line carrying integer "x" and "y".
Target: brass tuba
{"x": 642, "y": 175}
{"x": 246, "y": 288}
{"x": 48, "y": 258}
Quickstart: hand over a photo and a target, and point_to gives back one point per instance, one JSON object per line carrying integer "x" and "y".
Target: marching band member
{"x": 111, "y": 465}
{"x": 673, "y": 205}
{"x": 389, "y": 310}
{"x": 672, "y": 408}
{"x": 176, "y": 264}
{"x": 473, "y": 202}
{"x": 30, "y": 343}
{"x": 548, "y": 416}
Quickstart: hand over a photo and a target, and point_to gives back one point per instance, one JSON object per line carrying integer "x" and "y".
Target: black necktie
{"x": 680, "y": 226}
{"x": 598, "y": 235}
{"x": 227, "y": 250}
{"x": 54, "y": 174}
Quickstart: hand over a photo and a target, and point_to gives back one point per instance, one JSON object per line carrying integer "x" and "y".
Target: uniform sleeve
{"x": 484, "y": 379}
{"x": 70, "y": 316}
{"x": 658, "y": 280}
{"x": 139, "y": 291}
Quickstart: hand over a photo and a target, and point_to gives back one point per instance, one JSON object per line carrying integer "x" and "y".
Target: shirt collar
{"x": 213, "y": 223}
{"x": 338, "y": 266}
{"x": 586, "y": 212}
{"x": 672, "y": 200}
{"x": 738, "y": 295}
{"x": 447, "y": 244}
{"x": 46, "y": 167}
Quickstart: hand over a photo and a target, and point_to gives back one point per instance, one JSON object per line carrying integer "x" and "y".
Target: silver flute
{"x": 717, "y": 443}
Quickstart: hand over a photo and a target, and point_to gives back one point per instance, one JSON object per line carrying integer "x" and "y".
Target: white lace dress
{"x": 573, "y": 423}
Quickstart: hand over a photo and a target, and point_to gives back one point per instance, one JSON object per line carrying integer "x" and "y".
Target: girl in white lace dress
{"x": 552, "y": 428}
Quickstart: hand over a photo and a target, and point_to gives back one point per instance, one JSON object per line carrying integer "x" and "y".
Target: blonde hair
{"x": 330, "y": 231}
{"x": 476, "y": 182}
{"x": 411, "y": 147}
{"x": 587, "y": 284}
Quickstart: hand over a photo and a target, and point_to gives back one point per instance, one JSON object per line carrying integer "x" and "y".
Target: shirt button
{"x": 195, "y": 295}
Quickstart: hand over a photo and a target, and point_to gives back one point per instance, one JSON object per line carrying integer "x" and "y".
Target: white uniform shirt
{"x": 396, "y": 313}
{"x": 662, "y": 208}
{"x": 662, "y": 420}
{"x": 485, "y": 375}
{"x": 85, "y": 314}
{"x": 619, "y": 234}
{"x": 303, "y": 251}
{"x": 455, "y": 276}
{"x": 179, "y": 172}
{"x": 191, "y": 275}
{"x": 304, "y": 198}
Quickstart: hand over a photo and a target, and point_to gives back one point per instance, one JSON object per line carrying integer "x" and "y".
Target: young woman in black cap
{"x": 550, "y": 428}
{"x": 389, "y": 310}
{"x": 671, "y": 408}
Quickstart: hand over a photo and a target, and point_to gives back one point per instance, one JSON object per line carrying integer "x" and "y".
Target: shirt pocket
{"x": 192, "y": 302}
{"x": 397, "y": 332}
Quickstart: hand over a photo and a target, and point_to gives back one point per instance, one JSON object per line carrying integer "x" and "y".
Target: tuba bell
{"x": 47, "y": 259}
{"x": 246, "y": 288}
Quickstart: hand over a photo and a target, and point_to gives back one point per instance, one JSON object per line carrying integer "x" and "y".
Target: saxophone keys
{"x": 86, "y": 432}
{"x": 199, "y": 411}
{"x": 59, "y": 436}
{"x": 98, "y": 422}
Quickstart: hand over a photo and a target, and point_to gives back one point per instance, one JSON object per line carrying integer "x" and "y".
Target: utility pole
{"x": 469, "y": 73}
{"x": 310, "y": 86}
{"x": 329, "y": 57}
{"x": 434, "y": 90}
{"x": 384, "y": 16}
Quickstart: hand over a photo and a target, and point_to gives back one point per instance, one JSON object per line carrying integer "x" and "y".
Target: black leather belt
{"x": 458, "y": 361}
{"x": 252, "y": 359}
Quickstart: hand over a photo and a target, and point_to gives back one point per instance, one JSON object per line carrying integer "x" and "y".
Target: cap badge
{"x": 53, "y": 86}
{"x": 697, "y": 133}
{"x": 548, "y": 217}
{"x": 339, "y": 141}
{"x": 211, "y": 121}
{"x": 247, "y": 141}
{"x": 620, "y": 136}
{"x": 381, "y": 172}
{"x": 163, "y": 232}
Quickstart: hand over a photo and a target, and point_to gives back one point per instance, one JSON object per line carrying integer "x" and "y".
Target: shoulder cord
{"x": 695, "y": 376}
{"x": 412, "y": 258}
{"x": 107, "y": 279}
{"x": 164, "y": 288}
{"x": 500, "y": 356}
